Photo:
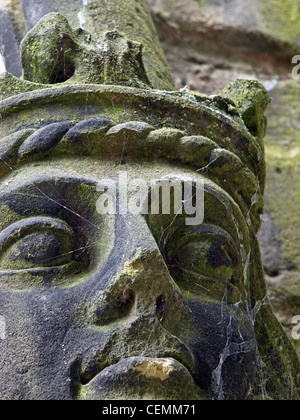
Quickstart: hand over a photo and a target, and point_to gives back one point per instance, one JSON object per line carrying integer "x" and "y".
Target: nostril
{"x": 160, "y": 307}
{"x": 125, "y": 301}
{"x": 111, "y": 308}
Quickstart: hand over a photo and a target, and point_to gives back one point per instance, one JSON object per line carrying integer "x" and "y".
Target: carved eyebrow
{"x": 8, "y": 193}
{"x": 215, "y": 231}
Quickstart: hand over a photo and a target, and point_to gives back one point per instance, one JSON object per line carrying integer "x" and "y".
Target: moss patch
{"x": 282, "y": 18}
{"x": 282, "y": 144}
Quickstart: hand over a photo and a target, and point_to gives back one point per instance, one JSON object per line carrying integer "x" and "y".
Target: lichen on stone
{"x": 53, "y": 53}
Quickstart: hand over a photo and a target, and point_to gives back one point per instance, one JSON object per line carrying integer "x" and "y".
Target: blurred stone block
{"x": 9, "y": 46}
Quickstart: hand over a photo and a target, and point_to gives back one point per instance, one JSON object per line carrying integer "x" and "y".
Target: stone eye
{"x": 206, "y": 262}
{"x": 205, "y": 256}
{"x": 36, "y": 242}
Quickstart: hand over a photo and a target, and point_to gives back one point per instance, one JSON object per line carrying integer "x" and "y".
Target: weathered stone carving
{"x": 52, "y": 53}
{"x": 128, "y": 307}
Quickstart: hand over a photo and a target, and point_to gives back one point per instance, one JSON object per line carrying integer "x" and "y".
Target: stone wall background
{"x": 209, "y": 43}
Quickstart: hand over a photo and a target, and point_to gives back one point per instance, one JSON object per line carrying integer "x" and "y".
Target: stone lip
{"x": 142, "y": 378}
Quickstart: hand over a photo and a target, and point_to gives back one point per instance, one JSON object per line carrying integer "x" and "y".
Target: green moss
{"x": 279, "y": 360}
{"x": 7, "y": 217}
{"x": 251, "y": 100}
{"x": 283, "y": 168}
{"x": 158, "y": 109}
{"x": 127, "y": 18}
{"x": 11, "y": 85}
{"x": 282, "y": 18}
{"x": 22, "y": 280}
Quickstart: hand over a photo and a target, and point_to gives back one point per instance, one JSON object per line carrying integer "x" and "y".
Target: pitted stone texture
{"x": 44, "y": 139}
{"x": 87, "y": 129}
{"x": 10, "y": 144}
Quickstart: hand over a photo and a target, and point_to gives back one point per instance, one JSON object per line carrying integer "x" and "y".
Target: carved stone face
{"x": 129, "y": 306}
{"x": 120, "y": 306}
{"x": 88, "y": 298}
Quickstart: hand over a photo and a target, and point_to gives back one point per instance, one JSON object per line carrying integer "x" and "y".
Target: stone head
{"x": 130, "y": 306}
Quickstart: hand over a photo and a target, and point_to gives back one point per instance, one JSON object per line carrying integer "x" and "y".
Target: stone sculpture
{"x": 123, "y": 306}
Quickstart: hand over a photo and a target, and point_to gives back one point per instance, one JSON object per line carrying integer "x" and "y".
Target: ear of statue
{"x": 251, "y": 100}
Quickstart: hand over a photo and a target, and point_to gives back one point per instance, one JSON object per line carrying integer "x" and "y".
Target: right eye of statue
{"x": 36, "y": 242}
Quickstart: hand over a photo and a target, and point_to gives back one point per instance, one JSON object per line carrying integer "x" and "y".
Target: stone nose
{"x": 141, "y": 288}
{"x": 139, "y": 313}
